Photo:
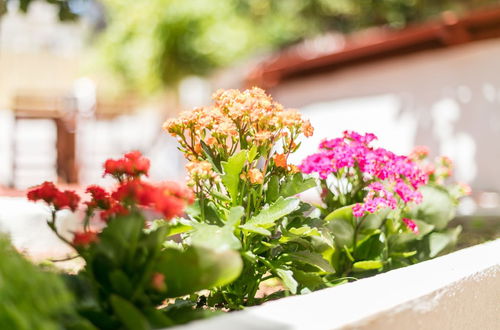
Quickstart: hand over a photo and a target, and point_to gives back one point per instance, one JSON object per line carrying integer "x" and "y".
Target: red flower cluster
{"x": 169, "y": 199}
{"x": 85, "y": 238}
{"x": 49, "y": 193}
{"x": 132, "y": 164}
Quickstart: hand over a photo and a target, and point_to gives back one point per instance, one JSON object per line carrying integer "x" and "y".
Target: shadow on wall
{"x": 447, "y": 99}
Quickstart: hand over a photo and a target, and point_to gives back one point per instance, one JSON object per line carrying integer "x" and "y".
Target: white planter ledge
{"x": 458, "y": 291}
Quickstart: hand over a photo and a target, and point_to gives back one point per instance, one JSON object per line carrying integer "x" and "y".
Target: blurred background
{"x": 85, "y": 80}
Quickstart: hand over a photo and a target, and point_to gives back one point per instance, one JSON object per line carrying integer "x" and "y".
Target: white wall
{"x": 447, "y": 99}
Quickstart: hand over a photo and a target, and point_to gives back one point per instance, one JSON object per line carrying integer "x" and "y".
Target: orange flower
{"x": 158, "y": 282}
{"x": 280, "y": 160}
{"x": 255, "y": 176}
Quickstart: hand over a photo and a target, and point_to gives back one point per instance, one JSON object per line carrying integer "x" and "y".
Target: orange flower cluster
{"x": 238, "y": 120}
{"x": 201, "y": 171}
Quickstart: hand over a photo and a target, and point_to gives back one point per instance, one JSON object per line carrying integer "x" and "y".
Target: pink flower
{"x": 358, "y": 210}
{"x": 387, "y": 177}
{"x": 411, "y": 225}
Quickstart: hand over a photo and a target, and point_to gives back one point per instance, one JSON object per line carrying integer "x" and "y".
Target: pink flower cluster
{"x": 387, "y": 177}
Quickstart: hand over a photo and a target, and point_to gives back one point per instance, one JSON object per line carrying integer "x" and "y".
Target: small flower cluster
{"x": 49, "y": 193}
{"x": 387, "y": 178}
{"x": 201, "y": 171}
{"x": 132, "y": 164}
{"x": 237, "y": 120}
{"x": 439, "y": 170}
{"x": 167, "y": 198}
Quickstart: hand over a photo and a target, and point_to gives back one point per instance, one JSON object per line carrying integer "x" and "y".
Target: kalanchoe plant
{"x": 245, "y": 190}
{"x": 129, "y": 272}
{"x": 384, "y": 210}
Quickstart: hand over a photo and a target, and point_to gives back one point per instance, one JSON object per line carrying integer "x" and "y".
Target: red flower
{"x": 132, "y": 164}
{"x": 115, "y": 209}
{"x": 85, "y": 238}
{"x": 100, "y": 198}
{"x": 49, "y": 193}
{"x": 135, "y": 191}
{"x": 67, "y": 199}
{"x": 411, "y": 224}
{"x": 171, "y": 199}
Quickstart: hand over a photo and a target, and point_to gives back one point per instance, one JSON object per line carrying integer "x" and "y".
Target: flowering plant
{"x": 245, "y": 191}
{"x": 384, "y": 210}
{"x": 129, "y": 270}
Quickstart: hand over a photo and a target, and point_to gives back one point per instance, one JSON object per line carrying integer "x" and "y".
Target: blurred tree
{"x": 64, "y": 7}
{"x": 155, "y": 43}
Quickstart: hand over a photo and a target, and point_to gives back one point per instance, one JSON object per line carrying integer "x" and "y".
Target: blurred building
{"x": 55, "y": 123}
{"x": 436, "y": 84}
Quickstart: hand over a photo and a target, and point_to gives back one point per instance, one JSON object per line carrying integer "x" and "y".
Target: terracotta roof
{"x": 339, "y": 51}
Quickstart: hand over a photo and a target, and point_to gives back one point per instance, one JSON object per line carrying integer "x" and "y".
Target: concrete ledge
{"x": 458, "y": 291}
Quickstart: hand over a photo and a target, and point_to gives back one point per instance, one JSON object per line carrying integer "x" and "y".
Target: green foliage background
{"x": 155, "y": 43}
{"x": 31, "y": 298}
{"x": 151, "y": 44}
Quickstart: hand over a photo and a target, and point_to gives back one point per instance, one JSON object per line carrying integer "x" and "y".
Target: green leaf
{"x": 339, "y": 223}
{"x": 220, "y": 196}
{"x": 255, "y": 229}
{"x": 213, "y": 159}
{"x": 232, "y": 171}
{"x": 267, "y": 217}
{"x": 234, "y": 217}
{"x": 361, "y": 266}
{"x": 374, "y": 221}
{"x": 273, "y": 186}
{"x": 305, "y": 231}
{"x": 179, "y": 228}
{"x": 343, "y": 213}
{"x": 214, "y": 237}
{"x": 197, "y": 268}
{"x": 128, "y": 314}
{"x": 403, "y": 254}
{"x": 313, "y": 259}
{"x": 438, "y": 242}
{"x": 120, "y": 283}
{"x": 310, "y": 280}
{"x": 288, "y": 280}
{"x": 252, "y": 153}
{"x": 296, "y": 184}
{"x": 437, "y": 207}
{"x": 370, "y": 247}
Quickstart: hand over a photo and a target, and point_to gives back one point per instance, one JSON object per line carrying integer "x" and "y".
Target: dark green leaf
{"x": 213, "y": 159}
{"x": 128, "y": 314}
{"x": 120, "y": 283}
{"x": 272, "y": 192}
